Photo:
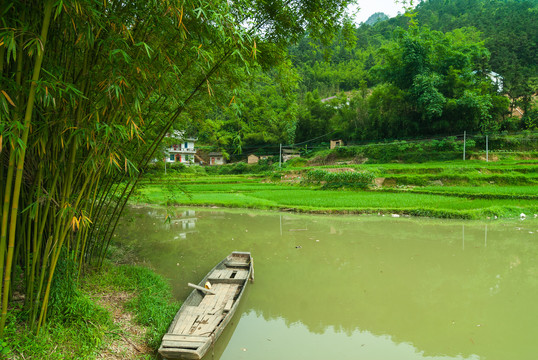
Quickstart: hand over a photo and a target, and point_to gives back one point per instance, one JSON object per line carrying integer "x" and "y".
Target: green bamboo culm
{"x": 20, "y": 164}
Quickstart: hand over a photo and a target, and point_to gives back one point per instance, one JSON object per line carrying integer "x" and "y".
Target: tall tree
{"x": 443, "y": 79}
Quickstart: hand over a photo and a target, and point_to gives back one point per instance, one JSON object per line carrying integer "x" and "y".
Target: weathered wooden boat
{"x": 208, "y": 309}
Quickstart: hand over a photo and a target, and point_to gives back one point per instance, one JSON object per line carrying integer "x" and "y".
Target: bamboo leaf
{"x": 148, "y": 49}
{"x": 75, "y": 223}
{"x": 8, "y": 98}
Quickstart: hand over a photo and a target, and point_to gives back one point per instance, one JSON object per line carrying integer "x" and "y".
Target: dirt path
{"x": 128, "y": 343}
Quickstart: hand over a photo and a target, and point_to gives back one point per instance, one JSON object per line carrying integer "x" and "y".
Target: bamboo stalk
{"x": 60, "y": 238}
{"x": 36, "y": 250}
{"x": 20, "y": 165}
{"x": 5, "y": 212}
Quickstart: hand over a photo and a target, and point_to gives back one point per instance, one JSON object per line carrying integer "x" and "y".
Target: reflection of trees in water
{"x": 422, "y": 281}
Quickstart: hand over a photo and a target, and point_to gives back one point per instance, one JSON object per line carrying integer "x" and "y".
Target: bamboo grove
{"x": 88, "y": 90}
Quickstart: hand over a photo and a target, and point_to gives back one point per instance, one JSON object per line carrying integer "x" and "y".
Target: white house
{"x": 182, "y": 151}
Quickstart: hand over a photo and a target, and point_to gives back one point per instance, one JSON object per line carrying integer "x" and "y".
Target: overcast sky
{"x": 369, "y": 7}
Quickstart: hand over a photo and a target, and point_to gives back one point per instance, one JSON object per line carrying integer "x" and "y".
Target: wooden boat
{"x": 206, "y": 312}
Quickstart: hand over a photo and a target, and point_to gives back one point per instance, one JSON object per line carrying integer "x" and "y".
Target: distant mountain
{"x": 375, "y": 18}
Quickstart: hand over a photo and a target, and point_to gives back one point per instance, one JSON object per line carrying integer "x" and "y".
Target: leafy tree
{"x": 442, "y": 78}
{"x": 313, "y": 118}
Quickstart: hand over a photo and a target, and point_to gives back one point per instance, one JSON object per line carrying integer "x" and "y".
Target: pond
{"x": 356, "y": 287}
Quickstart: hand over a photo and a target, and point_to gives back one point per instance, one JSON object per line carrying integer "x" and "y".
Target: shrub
{"x": 349, "y": 179}
{"x": 297, "y": 162}
{"x": 239, "y": 168}
{"x": 470, "y": 144}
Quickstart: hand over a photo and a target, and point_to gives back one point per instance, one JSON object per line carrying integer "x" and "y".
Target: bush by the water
{"x": 350, "y": 179}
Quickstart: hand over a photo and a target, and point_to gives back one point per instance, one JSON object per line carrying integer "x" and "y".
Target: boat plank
{"x": 186, "y": 338}
{"x": 209, "y": 327}
{"x": 183, "y": 325}
{"x": 229, "y": 305}
{"x": 241, "y": 274}
{"x": 183, "y": 344}
{"x": 216, "y": 274}
{"x": 229, "y": 281}
{"x": 237, "y": 264}
{"x": 209, "y": 302}
{"x": 226, "y": 295}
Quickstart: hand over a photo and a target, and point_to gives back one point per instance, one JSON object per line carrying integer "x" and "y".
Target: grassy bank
{"x": 457, "y": 189}
{"x": 120, "y": 312}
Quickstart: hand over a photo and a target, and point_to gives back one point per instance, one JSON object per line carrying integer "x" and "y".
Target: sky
{"x": 369, "y": 7}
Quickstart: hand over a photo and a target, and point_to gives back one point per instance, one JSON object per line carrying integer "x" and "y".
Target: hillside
{"x": 426, "y": 73}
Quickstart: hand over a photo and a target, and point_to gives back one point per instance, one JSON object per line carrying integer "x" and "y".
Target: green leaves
{"x": 429, "y": 100}
{"x": 122, "y": 53}
{"x": 444, "y": 84}
{"x": 146, "y": 47}
{"x": 4, "y": 349}
{"x": 348, "y": 179}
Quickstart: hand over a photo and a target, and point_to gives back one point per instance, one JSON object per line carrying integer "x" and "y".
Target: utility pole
{"x": 487, "y": 149}
{"x": 280, "y": 157}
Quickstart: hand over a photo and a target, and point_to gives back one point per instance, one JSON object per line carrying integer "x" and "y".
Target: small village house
{"x": 216, "y": 158}
{"x": 336, "y": 143}
{"x": 253, "y": 159}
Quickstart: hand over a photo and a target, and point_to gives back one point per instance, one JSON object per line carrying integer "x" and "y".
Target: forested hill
{"x": 509, "y": 29}
{"x": 429, "y": 72}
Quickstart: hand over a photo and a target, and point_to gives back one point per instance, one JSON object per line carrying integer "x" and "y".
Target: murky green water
{"x": 349, "y": 287}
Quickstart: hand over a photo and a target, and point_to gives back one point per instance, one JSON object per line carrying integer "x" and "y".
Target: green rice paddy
{"x": 447, "y": 190}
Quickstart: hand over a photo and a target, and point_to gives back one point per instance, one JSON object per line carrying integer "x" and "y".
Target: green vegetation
{"x": 153, "y": 306}
{"x": 470, "y": 189}
{"x": 347, "y": 179}
{"x": 521, "y": 146}
{"x": 423, "y": 73}
{"x": 438, "y": 70}
{"x": 89, "y": 90}
{"x": 81, "y": 321}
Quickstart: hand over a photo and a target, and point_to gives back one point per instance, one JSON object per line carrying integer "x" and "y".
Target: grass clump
{"x": 80, "y": 324}
{"x": 153, "y": 306}
{"x": 76, "y": 326}
{"x": 348, "y": 179}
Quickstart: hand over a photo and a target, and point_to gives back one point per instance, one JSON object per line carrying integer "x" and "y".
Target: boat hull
{"x": 205, "y": 313}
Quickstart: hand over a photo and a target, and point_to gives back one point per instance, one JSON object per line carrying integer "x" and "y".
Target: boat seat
{"x": 183, "y": 341}
{"x": 237, "y": 264}
{"x": 228, "y": 276}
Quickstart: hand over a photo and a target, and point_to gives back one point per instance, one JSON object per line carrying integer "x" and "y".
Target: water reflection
{"x": 185, "y": 221}
{"x": 298, "y": 341}
{"x": 359, "y": 287}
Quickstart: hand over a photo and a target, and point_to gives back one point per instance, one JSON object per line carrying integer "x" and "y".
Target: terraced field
{"x": 449, "y": 190}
